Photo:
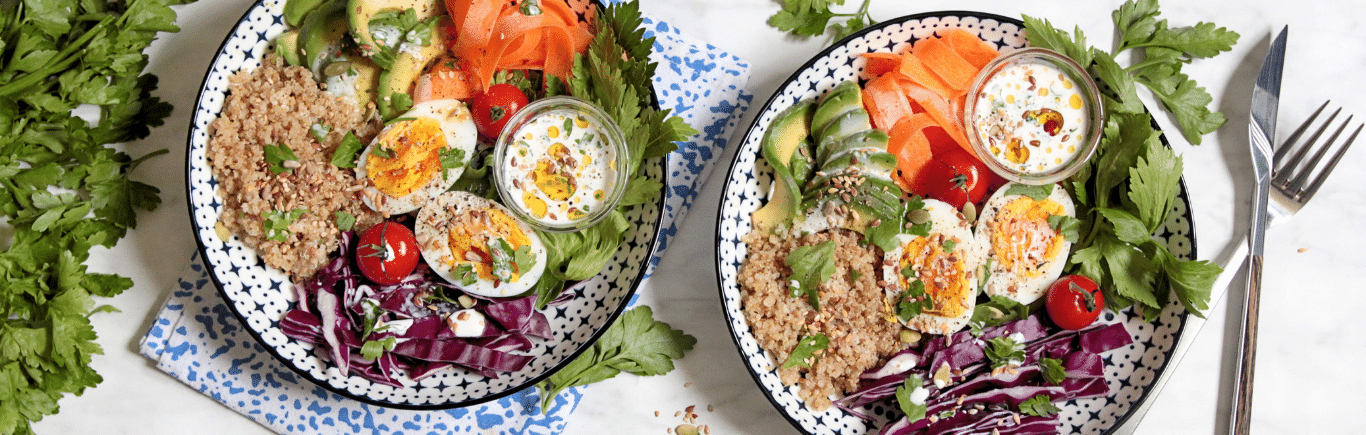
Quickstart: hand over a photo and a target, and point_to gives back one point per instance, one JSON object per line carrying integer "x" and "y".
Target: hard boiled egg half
{"x": 1024, "y": 251}
{"x": 479, "y": 246}
{"x": 944, "y": 263}
{"x": 417, "y": 157}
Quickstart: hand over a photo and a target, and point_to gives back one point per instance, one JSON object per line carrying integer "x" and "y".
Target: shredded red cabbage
{"x": 339, "y": 311}
{"x": 976, "y": 400}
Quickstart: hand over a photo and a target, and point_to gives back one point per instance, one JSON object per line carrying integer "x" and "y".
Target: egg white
{"x": 457, "y": 125}
{"x": 434, "y": 224}
{"x": 1010, "y": 283}
{"x": 945, "y": 220}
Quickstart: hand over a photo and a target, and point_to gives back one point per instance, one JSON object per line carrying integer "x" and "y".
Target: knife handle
{"x": 1241, "y": 411}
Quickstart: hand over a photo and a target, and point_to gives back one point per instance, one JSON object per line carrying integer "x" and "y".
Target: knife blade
{"x": 1261, "y": 134}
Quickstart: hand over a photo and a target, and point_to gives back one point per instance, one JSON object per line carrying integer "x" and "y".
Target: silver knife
{"x": 1261, "y": 132}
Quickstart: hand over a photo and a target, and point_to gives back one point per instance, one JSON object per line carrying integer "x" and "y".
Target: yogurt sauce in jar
{"x": 559, "y": 167}
{"x": 1033, "y": 117}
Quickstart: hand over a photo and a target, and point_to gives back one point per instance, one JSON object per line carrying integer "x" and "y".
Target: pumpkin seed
{"x": 918, "y": 216}
{"x": 969, "y": 212}
{"x": 686, "y": 429}
{"x": 336, "y": 68}
{"x": 909, "y": 337}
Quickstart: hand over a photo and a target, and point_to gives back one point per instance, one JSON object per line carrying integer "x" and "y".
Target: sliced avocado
{"x": 846, "y": 125}
{"x": 408, "y": 65}
{"x": 360, "y": 12}
{"x": 297, "y": 10}
{"x": 353, "y": 77}
{"x": 803, "y": 164}
{"x": 321, "y": 35}
{"x": 843, "y": 98}
{"x": 287, "y": 47}
{"x": 788, "y": 131}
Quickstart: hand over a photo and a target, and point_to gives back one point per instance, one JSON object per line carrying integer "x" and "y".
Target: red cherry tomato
{"x": 494, "y": 107}
{"x": 955, "y": 177}
{"x": 1074, "y": 302}
{"x": 387, "y": 253}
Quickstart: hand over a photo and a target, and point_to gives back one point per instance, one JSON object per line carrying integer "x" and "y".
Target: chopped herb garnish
{"x": 804, "y": 355}
{"x": 277, "y": 155}
{"x": 911, "y": 396}
{"x": 320, "y": 131}
{"x": 1005, "y": 351}
{"x": 277, "y": 223}
{"x": 382, "y": 152}
{"x": 345, "y": 154}
{"x": 1066, "y": 226}
{"x": 374, "y": 349}
{"x": 811, "y": 266}
{"x": 451, "y": 158}
{"x": 1038, "y": 193}
{"x": 949, "y": 244}
{"x": 1039, "y": 406}
{"x": 344, "y": 220}
{"x": 1052, "y": 370}
{"x": 913, "y": 300}
{"x": 466, "y": 274}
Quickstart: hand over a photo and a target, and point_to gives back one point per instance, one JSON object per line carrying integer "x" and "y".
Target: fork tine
{"x": 1284, "y": 170}
{"x": 1318, "y": 181}
{"x": 1303, "y": 174}
{"x": 1290, "y": 141}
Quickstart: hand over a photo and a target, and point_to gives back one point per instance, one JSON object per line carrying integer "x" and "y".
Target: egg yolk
{"x": 472, "y": 232}
{"x": 942, "y": 273}
{"x": 411, "y": 156}
{"x": 1021, "y": 239}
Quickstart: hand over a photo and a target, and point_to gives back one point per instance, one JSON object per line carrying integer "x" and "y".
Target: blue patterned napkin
{"x": 196, "y": 339}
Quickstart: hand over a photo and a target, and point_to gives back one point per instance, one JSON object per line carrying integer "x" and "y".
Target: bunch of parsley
{"x": 1126, "y": 191}
{"x": 615, "y": 74}
{"x": 63, "y": 189}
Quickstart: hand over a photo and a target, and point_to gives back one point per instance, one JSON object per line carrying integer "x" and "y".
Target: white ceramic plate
{"x": 260, "y": 295}
{"x": 1130, "y": 371}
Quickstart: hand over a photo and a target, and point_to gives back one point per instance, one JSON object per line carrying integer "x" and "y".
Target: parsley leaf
{"x": 1065, "y": 225}
{"x": 466, "y": 274}
{"x": 345, "y": 221}
{"x": 1156, "y": 180}
{"x": 277, "y": 155}
{"x": 804, "y": 355}
{"x": 636, "y": 344}
{"x": 1039, "y": 406}
{"x": 319, "y": 131}
{"x": 1052, "y": 370}
{"x": 811, "y": 266}
{"x": 277, "y": 223}
{"x": 345, "y": 154}
{"x": 998, "y": 310}
{"x": 374, "y": 349}
{"x": 910, "y": 398}
{"x": 1038, "y": 193}
{"x": 1005, "y": 351}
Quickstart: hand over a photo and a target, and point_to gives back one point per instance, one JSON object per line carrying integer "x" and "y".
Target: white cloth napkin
{"x": 196, "y": 338}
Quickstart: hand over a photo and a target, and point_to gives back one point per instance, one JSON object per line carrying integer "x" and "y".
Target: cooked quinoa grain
{"x": 279, "y": 105}
{"x": 852, "y": 313}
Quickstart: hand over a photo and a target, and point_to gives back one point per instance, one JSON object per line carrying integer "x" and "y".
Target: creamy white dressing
{"x": 1032, "y": 116}
{"x": 560, "y": 167}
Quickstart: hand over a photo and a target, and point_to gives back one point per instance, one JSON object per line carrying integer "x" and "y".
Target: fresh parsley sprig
{"x": 636, "y": 344}
{"x": 812, "y": 18}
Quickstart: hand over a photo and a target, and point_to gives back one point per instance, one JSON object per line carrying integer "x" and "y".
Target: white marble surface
{"x": 1311, "y": 331}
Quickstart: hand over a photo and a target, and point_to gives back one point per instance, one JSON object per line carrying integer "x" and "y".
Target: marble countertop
{"x": 1310, "y": 337}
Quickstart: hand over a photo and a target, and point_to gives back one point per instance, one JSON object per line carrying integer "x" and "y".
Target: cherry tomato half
{"x": 1074, "y": 302}
{"x": 387, "y": 253}
{"x": 494, "y": 107}
{"x": 954, "y": 177}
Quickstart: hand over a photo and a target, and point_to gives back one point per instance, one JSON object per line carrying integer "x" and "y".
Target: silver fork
{"x": 1294, "y": 182}
{"x": 1289, "y": 177}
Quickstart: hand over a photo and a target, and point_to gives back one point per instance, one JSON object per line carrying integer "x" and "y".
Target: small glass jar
{"x": 1034, "y": 116}
{"x": 559, "y": 164}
